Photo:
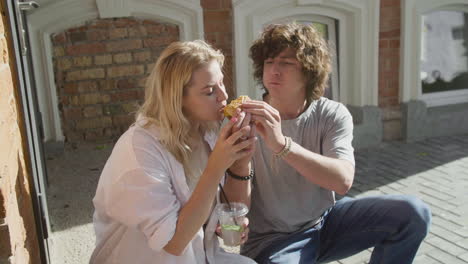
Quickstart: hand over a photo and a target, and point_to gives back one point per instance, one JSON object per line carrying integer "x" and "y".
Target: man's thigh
{"x": 354, "y": 225}
{"x": 301, "y": 247}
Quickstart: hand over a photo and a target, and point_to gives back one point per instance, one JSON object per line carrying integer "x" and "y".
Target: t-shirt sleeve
{"x": 143, "y": 198}
{"x": 338, "y": 135}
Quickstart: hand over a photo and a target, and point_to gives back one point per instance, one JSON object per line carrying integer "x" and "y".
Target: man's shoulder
{"x": 330, "y": 108}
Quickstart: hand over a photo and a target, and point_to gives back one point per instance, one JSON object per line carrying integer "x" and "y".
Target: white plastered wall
{"x": 358, "y": 35}
{"x": 56, "y": 16}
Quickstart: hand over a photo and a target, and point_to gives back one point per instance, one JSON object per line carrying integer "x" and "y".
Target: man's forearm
{"x": 329, "y": 173}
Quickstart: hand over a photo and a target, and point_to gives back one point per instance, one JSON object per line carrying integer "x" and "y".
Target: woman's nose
{"x": 222, "y": 95}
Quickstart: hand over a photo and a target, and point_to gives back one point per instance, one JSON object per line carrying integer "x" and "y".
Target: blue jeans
{"x": 395, "y": 225}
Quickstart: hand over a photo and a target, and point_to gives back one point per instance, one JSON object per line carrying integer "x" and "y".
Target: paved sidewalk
{"x": 435, "y": 170}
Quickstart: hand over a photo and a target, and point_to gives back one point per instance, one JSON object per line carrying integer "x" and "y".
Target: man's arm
{"x": 329, "y": 170}
{"x": 330, "y": 173}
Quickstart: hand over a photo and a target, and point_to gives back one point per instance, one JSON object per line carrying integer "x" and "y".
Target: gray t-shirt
{"x": 283, "y": 201}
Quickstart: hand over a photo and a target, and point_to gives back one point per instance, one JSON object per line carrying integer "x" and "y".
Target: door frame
{"x": 33, "y": 123}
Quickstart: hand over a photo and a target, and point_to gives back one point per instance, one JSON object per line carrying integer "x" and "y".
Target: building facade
{"x": 399, "y": 66}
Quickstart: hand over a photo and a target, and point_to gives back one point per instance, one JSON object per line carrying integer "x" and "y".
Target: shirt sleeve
{"x": 338, "y": 135}
{"x": 143, "y": 197}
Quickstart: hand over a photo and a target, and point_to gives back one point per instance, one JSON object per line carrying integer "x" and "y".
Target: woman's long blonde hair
{"x": 164, "y": 92}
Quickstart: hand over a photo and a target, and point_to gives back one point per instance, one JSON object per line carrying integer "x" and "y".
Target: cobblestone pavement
{"x": 435, "y": 170}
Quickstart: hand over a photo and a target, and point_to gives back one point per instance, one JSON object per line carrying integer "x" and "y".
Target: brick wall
{"x": 389, "y": 68}
{"x": 100, "y": 71}
{"x": 218, "y": 26}
{"x": 18, "y": 239}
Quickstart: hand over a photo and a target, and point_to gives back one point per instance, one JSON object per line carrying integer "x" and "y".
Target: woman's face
{"x": 205, "y": 96}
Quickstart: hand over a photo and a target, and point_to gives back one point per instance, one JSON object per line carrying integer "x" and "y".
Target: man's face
{"x": 206, "y": 96}
{"x": 282, "y": 75}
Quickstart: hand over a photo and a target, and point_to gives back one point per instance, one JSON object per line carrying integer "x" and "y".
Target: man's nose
{"x": 275, "y": 68}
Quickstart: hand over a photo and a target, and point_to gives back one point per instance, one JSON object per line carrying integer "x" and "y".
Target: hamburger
{"x": 230, "y": 109}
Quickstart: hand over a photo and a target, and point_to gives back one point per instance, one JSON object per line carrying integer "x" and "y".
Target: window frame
{"x": 332, "y": 25}
{"x": 410, "y": 81}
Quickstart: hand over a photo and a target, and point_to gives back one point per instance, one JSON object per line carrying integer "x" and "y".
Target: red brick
{"x": 155, "y": 29}
{"x": 130, "y": 107}
{"x": 99, "y": 122}
{"x": 101, "y": 23}
{"x": 112, "y": 132}
{"x": 87, "y": 86}
{"x": 106, "y": 85}
{"x": 142, "y": 56}
{"x": 122, "y": 58}
{"x": 390, "y": 34}
{"x": 94, "y": 135}
{"x": 122, "y": 71}
{"x": 211, "y": 4}
{"x": 77, "y": 36}
{"x": 389, "y": 23}
{"x": 118, "y": 33}
{"x": 63, "y": 64}
{"x": 124, "y": 96}
{"x": 395, "y": 43}
{"x": 123, "y": 120}
{"x": 2, "y": 29}
{"x": 72, "y": 113}
{"x": 97, "y": 35}
{"x": 70, "y": 88}
{"x": 82, "y": 61}
{"x": 383, "y": 43}
{"x": 60, "y": 38}
{"x": 125, "y": 84}
{"x": 124, "y": 45}
{"x": 89, "y": 99}
{"x": 172, "y": 30}
{"x": 103, "y": 59}
{"x": 159, "y": 42}
{"x": 386, "y": 3}
{"x": 137, "y": 31}
{"x": 226, "y": 4}
{"x": 58, "y": 51}
{"x": 77, "y": 29}
{"x": 84, "y": 49}
{"x": 4, "y": 49}
{"x": 85, "y": 74}
{"x": 92, "y": 111}
{"x": 150, "y": 22}
{"x": 125, "y": 22}
{"x": 217, "y": 15}
{"x": 221, "y": 26}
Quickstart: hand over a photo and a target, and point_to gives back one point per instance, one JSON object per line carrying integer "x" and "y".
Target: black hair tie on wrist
{"x": 241, "y": 178}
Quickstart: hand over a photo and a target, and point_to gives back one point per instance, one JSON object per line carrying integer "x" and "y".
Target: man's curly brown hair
{"x": 311, "y": 51}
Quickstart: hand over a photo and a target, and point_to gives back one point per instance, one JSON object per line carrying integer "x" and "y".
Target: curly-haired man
{"x": 305, "y": 156}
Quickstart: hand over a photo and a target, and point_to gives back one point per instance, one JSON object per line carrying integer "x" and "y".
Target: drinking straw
{"x": 227, "y": 201}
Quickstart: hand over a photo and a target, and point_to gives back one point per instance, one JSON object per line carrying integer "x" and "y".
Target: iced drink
{"x": 231, "y": 220}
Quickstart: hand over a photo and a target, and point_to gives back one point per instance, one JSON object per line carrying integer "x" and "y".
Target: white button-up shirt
{"x": 139, "y": 195}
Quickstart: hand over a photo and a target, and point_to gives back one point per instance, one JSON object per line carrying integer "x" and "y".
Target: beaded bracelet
{"x": 286, "y": 149}
{"x": 242, "y": 178}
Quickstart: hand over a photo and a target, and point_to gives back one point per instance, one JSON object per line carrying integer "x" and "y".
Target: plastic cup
{"x": 231, "y": 221}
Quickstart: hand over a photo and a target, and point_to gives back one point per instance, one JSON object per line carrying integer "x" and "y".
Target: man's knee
{"x": 417, "y": 212}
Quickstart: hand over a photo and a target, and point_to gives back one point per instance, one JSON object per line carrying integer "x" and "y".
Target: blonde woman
{"x": 155, "y": 198}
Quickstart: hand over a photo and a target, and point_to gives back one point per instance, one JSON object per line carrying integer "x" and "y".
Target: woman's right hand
{"x": 229, "y": 148}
